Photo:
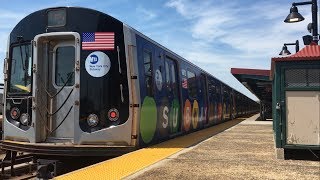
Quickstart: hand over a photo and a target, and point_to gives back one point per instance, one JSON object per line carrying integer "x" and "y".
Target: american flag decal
{"x": 98, "y": 41}
{"x": 184, "y": 83}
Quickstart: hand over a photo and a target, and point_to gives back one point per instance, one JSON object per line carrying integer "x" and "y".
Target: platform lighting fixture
{"x": 295, "y": 16}
{"x": 285, "y": 50}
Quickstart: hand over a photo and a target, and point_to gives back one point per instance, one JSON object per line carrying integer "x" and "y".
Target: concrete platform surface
{"x": 245, "y": 151}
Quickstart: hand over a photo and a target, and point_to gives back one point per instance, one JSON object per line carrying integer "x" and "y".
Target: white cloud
{"x": 9, "y": 19}
{"x": 146, "y": 14}
{"x": 251, "y": 29}
{"x": 3, "y": 40}
{"x": 228, "y": 35}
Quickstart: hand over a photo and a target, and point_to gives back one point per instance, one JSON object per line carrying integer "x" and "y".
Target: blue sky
{"x": 213, "y": 34}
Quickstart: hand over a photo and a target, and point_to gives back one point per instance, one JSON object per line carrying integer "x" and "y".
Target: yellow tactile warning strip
{"x": 133, "y": 162}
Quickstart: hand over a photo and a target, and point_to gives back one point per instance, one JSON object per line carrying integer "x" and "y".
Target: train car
{"x": 79, "y": 82}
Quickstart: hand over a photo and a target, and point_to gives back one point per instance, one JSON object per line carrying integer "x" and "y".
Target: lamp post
{"x": 295, "y": 16}
{"x": 285, "y": 50}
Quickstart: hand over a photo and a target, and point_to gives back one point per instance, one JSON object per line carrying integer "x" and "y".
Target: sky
{"x": 216, "y": 35}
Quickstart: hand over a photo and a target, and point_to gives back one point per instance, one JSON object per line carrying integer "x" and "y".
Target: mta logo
{"x": 94, "y": 59}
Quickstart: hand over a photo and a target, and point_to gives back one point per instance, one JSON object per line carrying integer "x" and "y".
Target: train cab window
{"x": 64, "y": 66}
{"x": 192, "y": 84}
{"x": 147, "y": 59}
{"x": 57, "y": 17}
{"x": 20, "y": 72}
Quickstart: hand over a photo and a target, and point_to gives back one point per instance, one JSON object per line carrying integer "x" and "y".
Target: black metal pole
{"x": 314, "y": 8}
{"x": 296, "y": 44}
{"x": 314, "y": 11}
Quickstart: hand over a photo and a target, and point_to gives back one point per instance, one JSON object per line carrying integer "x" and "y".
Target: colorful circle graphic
{"x": 148, "y": 120}
{"x": 174, "y": 116}
{"x": 195, "y": 114}
{"x": 187, "y": 115}
{"x": 163, "y": 117}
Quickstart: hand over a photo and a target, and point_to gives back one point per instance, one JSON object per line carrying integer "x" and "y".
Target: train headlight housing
{"x": 15, "y": 113}
{"x": 92, "y": 120}
{"x": 113, "y": 114}
{"x": 24, "y": 119}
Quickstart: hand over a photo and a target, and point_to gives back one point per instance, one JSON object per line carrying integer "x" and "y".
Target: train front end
{"x": 66, "y": 84}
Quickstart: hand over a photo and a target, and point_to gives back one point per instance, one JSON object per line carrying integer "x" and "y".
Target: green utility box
{"x": 296, "y": 101}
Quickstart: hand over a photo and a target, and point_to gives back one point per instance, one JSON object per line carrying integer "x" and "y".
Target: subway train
{"x": 79, "y": 82}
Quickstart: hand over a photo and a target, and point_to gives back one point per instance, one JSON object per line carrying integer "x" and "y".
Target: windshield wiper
{"x": 21, "y": 57}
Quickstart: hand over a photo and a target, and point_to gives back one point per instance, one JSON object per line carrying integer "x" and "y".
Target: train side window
{"x": 192, "y": 84}
{"x": 147, "y": 59}
{"x": 64, "y": 66}
{"x": 184, "y": 73}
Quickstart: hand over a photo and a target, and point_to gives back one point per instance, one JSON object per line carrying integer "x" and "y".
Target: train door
{"x": 56, "y": 85}
{"x": 148, "y": 112}
{"x": 203, "y": 100}
{"x": 173, "y": 94}
{"x": 232, "y": 104}
{"x": 162, "y": 101}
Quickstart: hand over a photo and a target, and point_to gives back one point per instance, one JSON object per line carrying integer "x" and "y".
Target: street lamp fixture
{"x": 295, "y": 16}
{"x": 285, "y": 51}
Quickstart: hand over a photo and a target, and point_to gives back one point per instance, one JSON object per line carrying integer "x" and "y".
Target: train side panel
{"x": 177, "y": 97}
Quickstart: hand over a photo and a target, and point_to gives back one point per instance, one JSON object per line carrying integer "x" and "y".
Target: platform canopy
{"x": 256, "y": 81}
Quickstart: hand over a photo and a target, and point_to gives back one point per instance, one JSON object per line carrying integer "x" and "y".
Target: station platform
{"x": 237, "y": 149}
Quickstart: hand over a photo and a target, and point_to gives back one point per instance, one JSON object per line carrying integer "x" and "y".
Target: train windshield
{"x": 20, "y": 71}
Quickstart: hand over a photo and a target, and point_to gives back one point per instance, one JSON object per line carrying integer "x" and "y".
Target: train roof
{"x": 180, "y": 57}
{"x": 137, "y": 32}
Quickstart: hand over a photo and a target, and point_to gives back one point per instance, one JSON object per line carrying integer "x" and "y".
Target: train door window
{"x": 147, "y": 59}
{"x": 203, "y": 86}
{"x": 184, "y": 79}
{"x": 211, "y": 90}
{"x": 225, "y": 94}
{"x": 218, "y": 90}
{"x": 173, "y": 79}
{"x": 192, "y": 84}
{"x": 64, "y": 65}
{"x": 171, "y": 75}
{"x": 167, "y": 76}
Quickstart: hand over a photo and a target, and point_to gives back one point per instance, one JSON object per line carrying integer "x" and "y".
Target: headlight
{"x": 92, "y": 120}
{"x": 24, "y": 119}
{"x": 15, "y": 113}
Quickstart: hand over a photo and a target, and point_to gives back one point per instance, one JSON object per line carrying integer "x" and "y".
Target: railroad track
{"x": 22, "y": 167}
{"x": 27, "y": 171}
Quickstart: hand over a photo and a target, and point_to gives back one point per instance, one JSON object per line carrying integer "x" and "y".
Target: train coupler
{"x": 48, "y": 169}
